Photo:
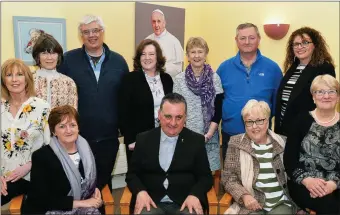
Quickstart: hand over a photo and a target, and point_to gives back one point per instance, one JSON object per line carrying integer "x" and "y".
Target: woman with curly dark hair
{"x": 307, "y": 56}
{"x": 142, "y": 91}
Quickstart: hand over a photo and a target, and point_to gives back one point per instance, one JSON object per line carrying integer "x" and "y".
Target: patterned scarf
{"x": 204, "y": 88}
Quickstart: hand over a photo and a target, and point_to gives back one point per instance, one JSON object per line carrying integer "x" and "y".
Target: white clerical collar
{"x": 162, "y": 34}
{"x": 166, "y": 137}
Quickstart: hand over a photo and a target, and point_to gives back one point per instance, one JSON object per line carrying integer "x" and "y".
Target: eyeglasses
{"x": 321, "y": 93}
{"x": 94, "y": 31}
{"x": 250, "y": 123}
{"x": 304, "y": 44}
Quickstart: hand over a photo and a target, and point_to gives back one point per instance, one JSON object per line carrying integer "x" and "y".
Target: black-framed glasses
{"x": 93, "y": 30}
{"x": 321, "y": 93}
{"x": 250, "y": 123}
{"x": 304, "y": 44}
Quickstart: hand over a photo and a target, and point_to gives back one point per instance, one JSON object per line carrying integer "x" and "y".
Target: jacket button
{"x": 278, "y": 171}
{"x": 166, "y": 174}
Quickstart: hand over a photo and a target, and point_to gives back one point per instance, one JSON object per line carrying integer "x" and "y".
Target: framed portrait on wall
{"x": 28, "y": 29}
{"x": 175, "y": 21}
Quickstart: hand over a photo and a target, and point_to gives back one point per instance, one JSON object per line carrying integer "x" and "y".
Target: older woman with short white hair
{"x": 253, "y": 171}
{"x": 312, "y": 155}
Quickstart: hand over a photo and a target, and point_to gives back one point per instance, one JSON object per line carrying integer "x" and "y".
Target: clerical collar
{"x": 164, "y": 137}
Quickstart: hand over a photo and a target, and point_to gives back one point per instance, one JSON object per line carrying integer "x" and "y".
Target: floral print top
{"x": 56, "y": 88}
{"x": 23, "y": 134}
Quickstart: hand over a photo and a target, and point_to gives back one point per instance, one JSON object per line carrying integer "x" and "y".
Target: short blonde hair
{"x": 325, "y": 80}
{"x": 199, "y": 42}
{"x": 9, "y": 65}
{"x": 260, "y": 106}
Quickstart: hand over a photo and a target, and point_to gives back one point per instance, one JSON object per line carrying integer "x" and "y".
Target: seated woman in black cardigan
{"x": 142, "y": 92}
{"x": 312, "y": 153}
{"x": 63, "y": 175}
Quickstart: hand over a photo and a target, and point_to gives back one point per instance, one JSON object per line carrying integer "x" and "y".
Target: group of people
{"x": 60, "y": 125}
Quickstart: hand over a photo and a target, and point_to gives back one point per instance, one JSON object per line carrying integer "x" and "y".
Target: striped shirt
{"x": 287, "y": 90}
{"x": 267, "y": 180}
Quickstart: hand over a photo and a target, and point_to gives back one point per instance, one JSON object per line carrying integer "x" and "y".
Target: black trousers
{"x": 15, "y": 189}
{"x": 328, "y": 204}
{"x": 128, "y": 153}
{"x": 225, "y": 141}
{"x": 105, "y": 153}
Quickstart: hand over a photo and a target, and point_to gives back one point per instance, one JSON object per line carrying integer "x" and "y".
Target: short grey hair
{"x": 247, "y": 25}
{"x": 87, "y": 19}
{"x": 260, "y": 106}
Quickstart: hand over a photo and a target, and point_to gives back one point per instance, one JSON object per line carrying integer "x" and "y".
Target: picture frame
{"x": 28, "y": 29}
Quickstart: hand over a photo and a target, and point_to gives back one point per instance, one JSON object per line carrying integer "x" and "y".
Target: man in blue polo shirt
{"x": 248, "y": 75}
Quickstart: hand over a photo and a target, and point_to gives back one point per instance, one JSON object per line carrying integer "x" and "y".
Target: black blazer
{"x": 136, "y": 104}
{"x": 188, "y": 174}
{"x": 49, "y": 185}
{"x": 300, "y": 99}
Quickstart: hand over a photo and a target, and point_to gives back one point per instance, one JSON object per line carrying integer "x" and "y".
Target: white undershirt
{"x": 75, "y": 157}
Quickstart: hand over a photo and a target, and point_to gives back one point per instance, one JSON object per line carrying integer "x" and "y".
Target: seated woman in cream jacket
{"x": 253, "y": 172}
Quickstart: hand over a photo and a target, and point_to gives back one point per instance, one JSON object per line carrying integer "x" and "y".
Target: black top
{"x": 49, "y": 185}
{"x": 300, "y": 99}
{"x": 189, "y": 172}
{"x": 312, "y": 150}
{"x": 136, "y": 104}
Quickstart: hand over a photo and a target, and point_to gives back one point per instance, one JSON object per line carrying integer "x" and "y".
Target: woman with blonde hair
{"x": 253, "y": 172}
{"x": 202, "y": 89}
{"x": 312, "y": 153}
{"x": 24, "y": 127}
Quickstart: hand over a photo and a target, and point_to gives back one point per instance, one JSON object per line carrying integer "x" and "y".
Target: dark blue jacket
{"x": 97, "y": 101}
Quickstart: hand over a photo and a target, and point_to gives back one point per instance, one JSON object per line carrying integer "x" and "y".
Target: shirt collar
{"x": 103, "y": 54}
{"x": 166, "y": 137}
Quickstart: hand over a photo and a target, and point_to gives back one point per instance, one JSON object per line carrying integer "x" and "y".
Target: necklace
{"x": 319, "y": 121}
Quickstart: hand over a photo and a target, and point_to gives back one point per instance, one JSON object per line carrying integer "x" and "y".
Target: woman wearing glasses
{"x": 312, "y": 153}
{"x": 253, "y": 170}
{"x": 50, "y": 85}
{"x": 307, "y": 56}
{"x": 142, "y": 92}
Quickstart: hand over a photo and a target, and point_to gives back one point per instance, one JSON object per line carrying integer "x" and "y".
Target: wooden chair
{"x": 311, "y": 212}
{"x": 225, "y": 202}
{"x": 15, "y": 205}
{"x": 217, "y": 179}
{"x": 126, "y": 198}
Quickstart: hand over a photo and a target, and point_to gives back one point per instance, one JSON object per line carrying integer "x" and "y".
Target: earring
{"x": 294, "y": 58}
